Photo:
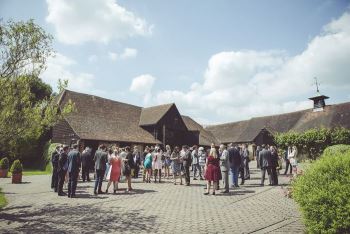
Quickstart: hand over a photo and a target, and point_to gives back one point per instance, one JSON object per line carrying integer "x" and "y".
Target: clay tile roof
{"x": 228, "y": 132}
{"x": 205, "y": 137}
{"x": 151, "y": 115}
{"x": 245, "y": 131}
{"x": 102, "y": 119}
{"x": 333, "y": 116}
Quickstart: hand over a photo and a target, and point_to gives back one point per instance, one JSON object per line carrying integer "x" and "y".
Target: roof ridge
{"x": 108, "y": 99}
{"x": 167, "y": 104}
{"x": 223, "y": 124}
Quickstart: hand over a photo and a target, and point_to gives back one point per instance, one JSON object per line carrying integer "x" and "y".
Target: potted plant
{"x": 16, "y": 170}
{"x": 4, "y": 167}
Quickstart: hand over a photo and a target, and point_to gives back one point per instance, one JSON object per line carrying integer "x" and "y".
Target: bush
{"x": 48, "y": 150}
{"x": 16, "y": 167}
{"x": 336, "y": 149}
{"x": 4, "y": 163}
{"x": 323, "y": 192}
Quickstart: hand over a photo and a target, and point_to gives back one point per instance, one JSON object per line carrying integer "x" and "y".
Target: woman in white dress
{"x": 157, "y": 164}
{"x": 292, "y": 156}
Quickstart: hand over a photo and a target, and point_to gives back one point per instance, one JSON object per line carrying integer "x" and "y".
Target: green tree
{"x": 28, "y": 107}
{"x": 24, "y": 49}
{"x": 27, "y": 112}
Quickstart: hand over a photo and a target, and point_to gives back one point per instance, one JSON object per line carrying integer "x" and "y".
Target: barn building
{"x": 98, "y": 120}
{"x": 260, "y": 130}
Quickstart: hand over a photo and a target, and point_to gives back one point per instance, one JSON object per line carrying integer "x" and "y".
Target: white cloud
{"x": 127, "y": 53}
{"x": 242, "y": 84}
{"x": 142, "y": 86}
{"x": 59, "y": 67}
{"x": 80, "y": 21}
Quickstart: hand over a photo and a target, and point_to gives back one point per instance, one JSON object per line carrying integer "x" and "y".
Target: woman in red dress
{"x": 114, "y": 173}
{"x": 212, "y": 173}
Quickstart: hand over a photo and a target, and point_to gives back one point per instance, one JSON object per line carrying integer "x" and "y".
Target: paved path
{"x": 150, "y": 208}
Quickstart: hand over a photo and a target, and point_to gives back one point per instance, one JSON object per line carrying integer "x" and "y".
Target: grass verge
{"x": 30, "y": 171}
{"x": 3, "y": 201}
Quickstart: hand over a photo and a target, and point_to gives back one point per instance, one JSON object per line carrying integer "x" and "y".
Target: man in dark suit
{"x": 242, "y": 166}
{"x": 265, "y": 164}
{"x": 286, "y": 159}
{"x": 186, "y": 162}
{"x": 235, "y": 163}
{"x": 100, "y": 159}
{"x": 137, "y": 161}
{"x": 129, "y": 166}
{"x": 62, "y": 170}
{"x": 54, "y": 160}
{"x": 258, "y": 149}
{"x": 74, "y": 161}
{"x": 245, "y": 154}
{"x": 85, "y": 164}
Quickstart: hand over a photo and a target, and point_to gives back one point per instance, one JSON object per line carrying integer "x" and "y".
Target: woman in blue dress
{"x": 148, "y": 165}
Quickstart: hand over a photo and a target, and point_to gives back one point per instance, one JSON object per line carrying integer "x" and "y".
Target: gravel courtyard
{"x": 150, "y": 208}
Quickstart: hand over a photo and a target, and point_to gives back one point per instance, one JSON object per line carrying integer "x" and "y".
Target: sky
{"x": 218, "y": 61}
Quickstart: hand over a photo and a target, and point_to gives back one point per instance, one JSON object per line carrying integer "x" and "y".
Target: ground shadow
{"x": 79, "y": 219}
{"x": 83, "y": 194}
{"x": 122, "y": 191}
{"x": 14, "y": 208}
{"x": 235, "y": 193}
{"x": 8, "y": 193}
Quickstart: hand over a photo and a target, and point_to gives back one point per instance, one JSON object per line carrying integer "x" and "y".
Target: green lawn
{"x": 3, "y": 201}
{"x": 47, "y": 171}
{"x": 30, "y": 171}
{"x": 35, "y": 172}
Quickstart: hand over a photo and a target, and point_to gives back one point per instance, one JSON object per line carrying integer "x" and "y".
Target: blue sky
{"x": 219, "y": 61}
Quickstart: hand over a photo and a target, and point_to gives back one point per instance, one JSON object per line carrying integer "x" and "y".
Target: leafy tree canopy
{"x": 28, "y": 107}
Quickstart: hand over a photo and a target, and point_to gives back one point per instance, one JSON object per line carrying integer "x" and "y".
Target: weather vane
{"x": 317, "y": 84}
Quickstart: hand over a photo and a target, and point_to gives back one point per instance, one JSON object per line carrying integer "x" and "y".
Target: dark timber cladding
{"x": 98, "y": 120}
{"x": 166, "y": 125}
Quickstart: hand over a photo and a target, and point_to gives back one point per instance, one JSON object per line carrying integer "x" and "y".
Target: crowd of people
{"x": 155, "y": 164}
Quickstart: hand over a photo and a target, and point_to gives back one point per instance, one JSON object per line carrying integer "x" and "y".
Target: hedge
{"x": 313, "y": 141}
{"x": 323, "y": 192}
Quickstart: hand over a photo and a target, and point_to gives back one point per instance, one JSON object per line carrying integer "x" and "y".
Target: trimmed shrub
{"x": 323, "y": 192}
{"x": 16, "y": 167}
{"x": 48, "y": 150}
{"x": 4, "y": 163}
{"x": 336, "y": 149}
